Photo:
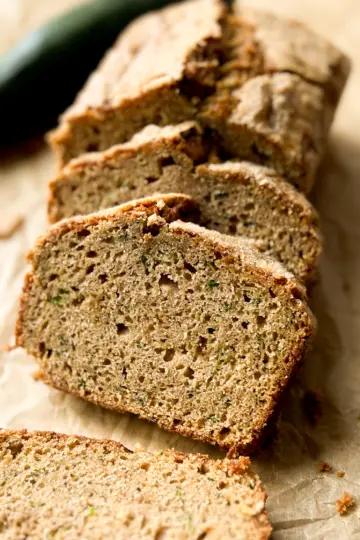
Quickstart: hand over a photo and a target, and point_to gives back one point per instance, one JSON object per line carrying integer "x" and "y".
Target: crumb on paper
{"x": 38, "y": 375}
{"x": 7, "y": 230}
{"x": 324, "y": 467}
{"x": 345, "y": 503}
{"x": 340, "y": 474}
{"x": 312, "y": 405}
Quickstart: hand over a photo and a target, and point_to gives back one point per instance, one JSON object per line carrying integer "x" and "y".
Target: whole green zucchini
{"x": 41, "y": 75}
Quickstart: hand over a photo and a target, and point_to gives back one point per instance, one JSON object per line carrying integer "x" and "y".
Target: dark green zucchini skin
{"x": 41, "y": 75}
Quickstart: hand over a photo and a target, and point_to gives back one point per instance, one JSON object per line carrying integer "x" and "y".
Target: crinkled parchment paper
{"x": 302, "y": 501}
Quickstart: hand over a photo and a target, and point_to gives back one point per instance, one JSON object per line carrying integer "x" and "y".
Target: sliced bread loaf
{"x": 237, "y": 198}
{"x": 185, "y": 327}
{"x": 59, "y": 486}
{"x": 266, "y": 86}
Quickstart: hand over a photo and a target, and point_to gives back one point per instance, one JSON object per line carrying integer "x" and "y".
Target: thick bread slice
{"x": 192, "y": 60}
{"x": 234, "y": 197}
{"x": 185, "y": 327}
{"x": 62, "y": 486}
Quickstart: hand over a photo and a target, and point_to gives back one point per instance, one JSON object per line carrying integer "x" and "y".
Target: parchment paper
{"x": 302, "y": 501}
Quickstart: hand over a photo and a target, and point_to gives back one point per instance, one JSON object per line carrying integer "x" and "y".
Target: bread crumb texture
{"x": 345, "y": 504}
{"x": 68, "y": 487}
{"x": 236, "y": 198}
{"x": 186, "y": 327}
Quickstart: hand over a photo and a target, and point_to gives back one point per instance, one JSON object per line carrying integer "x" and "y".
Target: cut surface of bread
{"x": 67, "y": 487}
{"x": 186, "y": 327}
{"x": 236, "y": 198}
{"x": 266, "y": 86}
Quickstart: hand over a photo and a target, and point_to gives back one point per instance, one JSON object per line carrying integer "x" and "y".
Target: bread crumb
{"x": 312, "y": 404}
{"x": 38, "y": 375}
{"x": 340, "y": 474}
{"x": 345, "y": 503}
{"x": 8, "y": 229}
{"x": 324, "y": 467}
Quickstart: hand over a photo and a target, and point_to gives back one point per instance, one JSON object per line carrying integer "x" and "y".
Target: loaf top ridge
{"x": 291, "y": 46}
{"x": 134, "y": 66}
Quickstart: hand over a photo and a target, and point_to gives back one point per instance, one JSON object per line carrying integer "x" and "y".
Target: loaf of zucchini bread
{"x": 182, "y": 326}
{"x": 62, "y": 486}
{"x": 267, "y": 88}
{"x": 238, "y": 198}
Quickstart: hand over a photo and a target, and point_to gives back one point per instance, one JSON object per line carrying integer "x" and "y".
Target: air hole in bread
{"x": 78, "y": 300}
{"x": 166, "y": 162}
{"x": 203, "y": 469}
{"x": 260, "y": 320}
{"x": 91, "y": 254}
{"x": 151, "y": 179}
{"x": 189, "y": 373}
{"x": 169, "y": 355}
{"x": 103, "y": 278}
{"x": 122, "y": 329}
{"x": 166, "y": 282}
{"x": 92, "y": 147}
{"x": 189, "y": 267}
{"x": 272, "y": 294}
{"x": 83, "y": 232}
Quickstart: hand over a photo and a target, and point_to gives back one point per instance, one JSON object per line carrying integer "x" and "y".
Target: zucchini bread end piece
{"x": 237, "y": 198}
{"x": 93, "y": 489}
{"x": 182, "y": 326}
{"x": 156, "y": 73}
{"x": 267, "y": 86}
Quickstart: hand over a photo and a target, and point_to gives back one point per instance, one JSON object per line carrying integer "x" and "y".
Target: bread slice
{"x": 62, "y": 486}
{"x": 267, "y": 87}
{"x": 182, "y": 326}
{"x": 237, "y": 198}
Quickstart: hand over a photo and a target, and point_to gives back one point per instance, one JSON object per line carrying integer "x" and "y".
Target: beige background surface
{"x": 301, "y": 500}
